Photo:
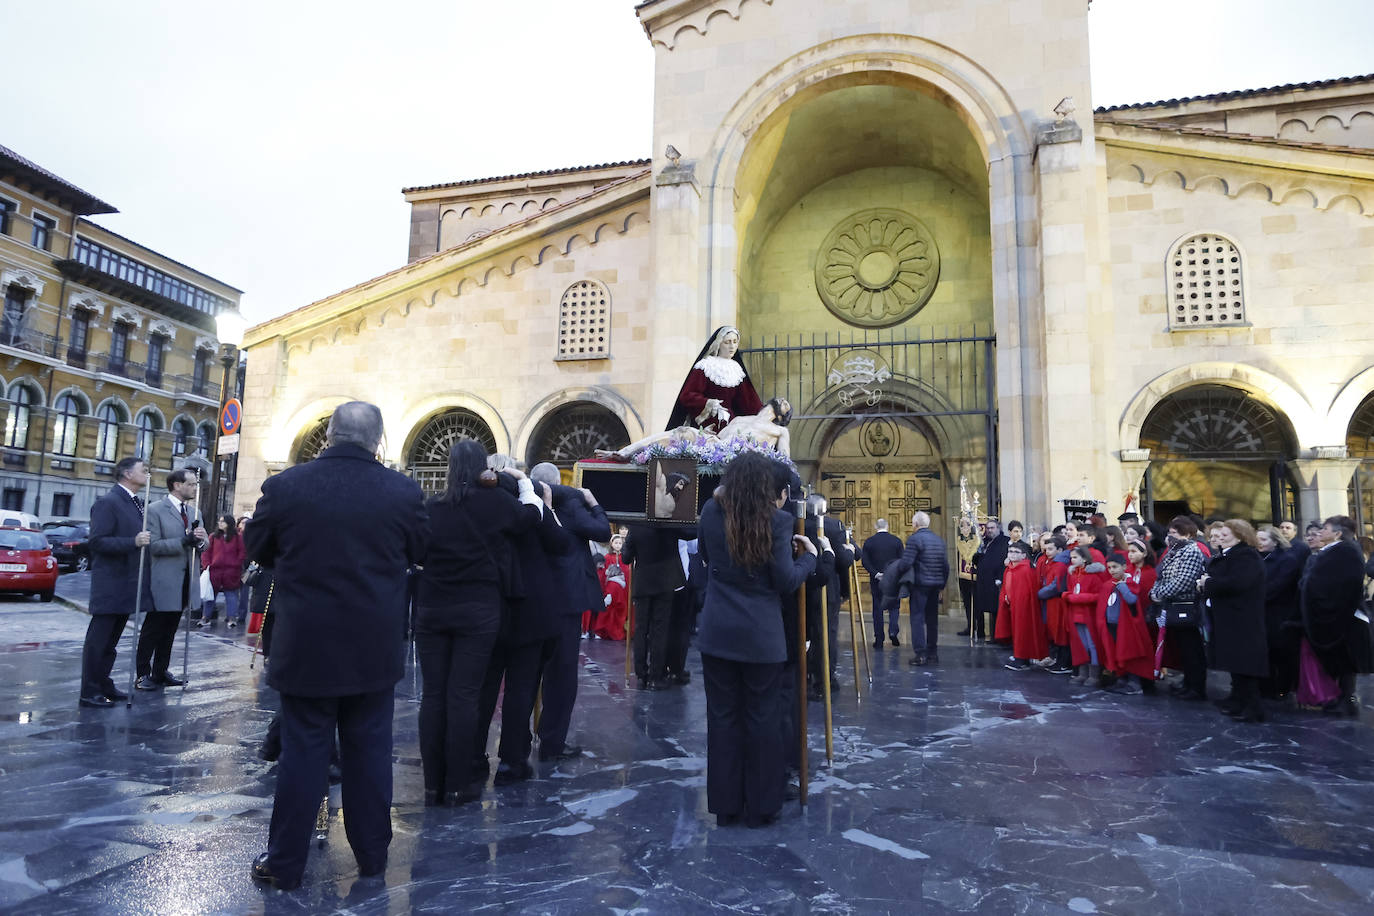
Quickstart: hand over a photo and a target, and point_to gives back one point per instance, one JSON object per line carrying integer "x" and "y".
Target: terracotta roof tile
{"x": 1243, "y": 93}
{"x": 86, "y": 202}
{"x": 640, "y": 163}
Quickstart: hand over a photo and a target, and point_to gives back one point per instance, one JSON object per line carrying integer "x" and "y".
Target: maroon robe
{"x": 1020, "y": 606}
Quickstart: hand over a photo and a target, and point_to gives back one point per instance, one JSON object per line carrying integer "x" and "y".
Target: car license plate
{"x": 13, "y": 567}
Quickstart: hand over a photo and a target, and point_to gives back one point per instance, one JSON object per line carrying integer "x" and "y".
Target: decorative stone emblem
{"x": 877, "y": 268}
{"x": 880, "y": 438}
{"x": 858, "y": 373}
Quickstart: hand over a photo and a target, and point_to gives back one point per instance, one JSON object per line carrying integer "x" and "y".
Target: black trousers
{"x": 889, "y": 607}
{"x": 518, "y": 666}
{"x": 454, "y": 645}
{"x": 680, "y": 630}
{"x": 744, "y": 768}
{"x": 925, "y": 619}
{"x": 653, "y": 616}
{"x": 155, "y": 642}
{"x": 308, "y": 725}
{"x": 1192, "y": 654}
{"x": 558, "y": 677}
{"x": 789, "y": 715}
{"x": 966, "y": 598}
{"x": 98, "y": 653}
{"x": 832, "y": 630}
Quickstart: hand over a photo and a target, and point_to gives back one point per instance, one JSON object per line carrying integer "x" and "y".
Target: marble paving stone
{"x": 954, "y": 789}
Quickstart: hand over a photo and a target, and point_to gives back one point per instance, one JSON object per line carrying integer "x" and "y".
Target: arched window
{"x": 66, "y": 409}
{"x": 206, "y": 440}
{"x": 1206, "y": 286}
{"x": 1216, "y": 450}
{"x": 313, "y": 442}
{"x": 584, "y": 322}
{"x": 1359, "y": 443}
{"x": 183, "y": 431}
{"x": 434, "y": 441}
{"x": 107, "y": 438}
{"x": 17, "y": 423}
{"x": 148, "y": 424}
{"x": 573, "y": 432}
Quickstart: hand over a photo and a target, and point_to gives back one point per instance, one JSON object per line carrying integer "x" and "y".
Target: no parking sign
{"x": 230, "y": 416}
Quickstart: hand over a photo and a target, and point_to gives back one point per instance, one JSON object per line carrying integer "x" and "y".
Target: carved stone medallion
{"x": 877, "y": 268}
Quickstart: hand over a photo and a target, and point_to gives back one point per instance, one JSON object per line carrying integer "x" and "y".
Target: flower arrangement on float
{"x": 711, "y": 454}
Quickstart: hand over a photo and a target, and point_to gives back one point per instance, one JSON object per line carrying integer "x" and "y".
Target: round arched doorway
{"x": 573, "y": 432}
{"x": 427, "y": 457}
{"x": 1359, "y": 443}
{"x": 881, "y": 467}
{"x": 311, "y": 442}
{"x": 1218, "y": 451}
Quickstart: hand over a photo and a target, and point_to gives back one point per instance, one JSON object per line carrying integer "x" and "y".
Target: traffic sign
{"x": 228, "y": 445}
{"x": 230, "y": 417}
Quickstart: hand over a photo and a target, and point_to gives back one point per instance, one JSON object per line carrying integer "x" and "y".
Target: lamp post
{"x": 229, "y": 328}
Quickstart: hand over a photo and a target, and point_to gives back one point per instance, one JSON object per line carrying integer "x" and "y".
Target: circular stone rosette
{"x": 877, "y": 268}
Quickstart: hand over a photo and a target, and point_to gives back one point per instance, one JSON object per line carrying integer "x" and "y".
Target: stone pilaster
{"x": 675, "y": 333}
{"x": 1323, "y": 482}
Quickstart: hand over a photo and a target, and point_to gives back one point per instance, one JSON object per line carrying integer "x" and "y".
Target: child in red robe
{"x": 1135, "y": 643}
{"x": 1087, "y": 579}
{"x": 1019, "y": 605}
{"x": 1052, "y": 574}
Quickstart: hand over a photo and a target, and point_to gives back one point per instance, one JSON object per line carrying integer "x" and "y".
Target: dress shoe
{"x": 372, "y": 869}
{"x": 434, "y": 798}
{"x": 1253, "y": 714}
{"x": 728, "y": 820}
{"x": 170, "y": 680}
{"x": 1189, "y": 694}
{"x": 147, "y": 683}
{"x": 568, "y": 752}
{"x": 99, "y": 701}
{"x": 118, "y": 696}
{"x": 681, "y": 677}
{"x": 1342, "y": 706}
{"x": 894, "y": 640}
{"x": 918, "y": 660}
{"x": 878, "y": 643}
{"x": 458, "y": 799}
{"x": 962, "y": 633}
{"x": 649, "y": 683}
{"x": 1230, "y": 706}
{"x": 262, "y": 873}
{"x": 509, "y": 773}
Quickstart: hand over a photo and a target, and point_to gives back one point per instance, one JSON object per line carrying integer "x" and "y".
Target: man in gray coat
{"x": 925, "y": 554}
{"x": 177, "y": 530}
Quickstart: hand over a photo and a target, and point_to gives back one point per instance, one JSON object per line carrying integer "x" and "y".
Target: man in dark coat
{"x": 1332, "y": 588}
{"x": 530, "y": 624}
{"x": 877, "y": 552}
{"x": 116, "y": 542}
{"x": 657, "y": 576}
{"x": 340, "y": 533}
{"x": 585, "y": 520}
{"x": 1233, "y": 587}
{"x": 989, "y": 562}
{"x": 926, "y": 556}
{"x": 818, "y": 520}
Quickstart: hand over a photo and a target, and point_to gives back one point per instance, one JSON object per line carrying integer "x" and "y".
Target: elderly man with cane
{"x": 118, "y": 544}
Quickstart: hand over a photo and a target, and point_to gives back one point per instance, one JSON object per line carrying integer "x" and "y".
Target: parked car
{"x": 70, "y": 543}
{"x": 13, "y": 518}
{"x": 26, "y": 563}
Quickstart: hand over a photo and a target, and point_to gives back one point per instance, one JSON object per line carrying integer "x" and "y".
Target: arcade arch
{"x": 573, "y": 432}
{"x": 428, "y": 448}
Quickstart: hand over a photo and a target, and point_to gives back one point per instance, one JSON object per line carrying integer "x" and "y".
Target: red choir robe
{"x": 1057, "y": 620}
{"x": 1020, "y": 607}
{"x": 1135, "y": 639}
{"x": 1081, "y": 597}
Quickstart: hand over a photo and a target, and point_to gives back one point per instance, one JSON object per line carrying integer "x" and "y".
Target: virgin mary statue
{"x": 718, "y": 388}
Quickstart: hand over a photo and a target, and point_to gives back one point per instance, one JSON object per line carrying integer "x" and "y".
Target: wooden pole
{"x": 629, "y": 628}
{"x": 825, "y": 675}
{"x": 854, "y": 634}
{"x": 801, "y": 675}
{"x": 863, "y": 626}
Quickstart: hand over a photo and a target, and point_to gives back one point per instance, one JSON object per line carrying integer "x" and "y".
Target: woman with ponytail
{"x": 466, "y": 580}
{"x": 752, "y": 559}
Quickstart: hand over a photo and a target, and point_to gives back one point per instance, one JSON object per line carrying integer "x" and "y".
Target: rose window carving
{"x": 877, "y": 268}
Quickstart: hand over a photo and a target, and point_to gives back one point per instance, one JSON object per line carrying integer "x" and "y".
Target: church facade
{"x": 951, "y": 270}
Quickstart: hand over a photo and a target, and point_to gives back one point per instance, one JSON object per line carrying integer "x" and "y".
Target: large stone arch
{"x": 280, "y": 446}
{"x": 1006, "y": 142}
{"x": 602, "y": 396}
{"x": 1343, "y": 407}
{"x": 1308, "y": 426}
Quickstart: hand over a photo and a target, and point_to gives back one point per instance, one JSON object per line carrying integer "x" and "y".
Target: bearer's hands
{"x": 143, "y": 539}
{"x": 804, "y": 542}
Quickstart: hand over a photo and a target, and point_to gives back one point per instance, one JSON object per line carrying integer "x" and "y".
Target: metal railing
{"x": 31, "y": 341}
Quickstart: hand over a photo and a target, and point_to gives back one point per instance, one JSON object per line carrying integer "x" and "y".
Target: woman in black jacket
{"x": 1234, "y": 588}
{"x": 465, "y": 581}
{"x": 747, "y": 543}
{"x": 1282, "y": 619}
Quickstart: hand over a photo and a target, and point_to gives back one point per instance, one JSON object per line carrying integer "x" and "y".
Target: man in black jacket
{"x": 340, "y": 532}
{"x": 585, "y": 520}
{"x": 657, "y": 576}
{"x": 988, "y": 562}
{"x": 818, "y": 522}
{"x": 877, "y": 552}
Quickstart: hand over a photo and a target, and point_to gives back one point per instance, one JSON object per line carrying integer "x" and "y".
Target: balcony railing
{"x": 56, "y": 348}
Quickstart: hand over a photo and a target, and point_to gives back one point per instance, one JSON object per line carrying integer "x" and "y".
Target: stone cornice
{"x": 664, "y": 21}
{"x": 490, "y": 250}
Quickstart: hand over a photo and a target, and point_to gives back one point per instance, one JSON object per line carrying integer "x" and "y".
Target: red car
{"x": 26, "y": 563}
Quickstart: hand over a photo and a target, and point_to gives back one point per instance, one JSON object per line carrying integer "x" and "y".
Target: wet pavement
{"x": 963, "y": 788}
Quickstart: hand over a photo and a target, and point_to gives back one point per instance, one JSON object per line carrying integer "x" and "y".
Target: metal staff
{"x": 825, "y": 671}
{"x": 801, "y": 668}
{"x": 138, "y": 606}
{"x": 192, "y": 581}
{"x": 863, "y": 624}
{"x": 266, "y": 609}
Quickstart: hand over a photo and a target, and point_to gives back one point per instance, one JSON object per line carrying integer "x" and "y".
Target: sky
{"x": 266, "y": 142}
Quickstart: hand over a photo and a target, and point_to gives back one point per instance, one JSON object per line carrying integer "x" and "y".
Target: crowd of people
{"x": 497, "y": 582}
{"x": 1117, "y": 606}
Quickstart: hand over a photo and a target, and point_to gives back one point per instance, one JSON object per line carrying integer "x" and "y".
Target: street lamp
{"x": 229, "y": 328}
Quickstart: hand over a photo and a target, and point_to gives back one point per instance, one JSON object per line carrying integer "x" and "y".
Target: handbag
{"x": 252, "y": 574}
{"x": 1182, "y": 612}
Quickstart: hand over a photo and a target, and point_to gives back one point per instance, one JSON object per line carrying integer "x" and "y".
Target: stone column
{"x": 1323, "y": 481}
{"x": 675, "y": 326}
{"x": 1134, "y": 463}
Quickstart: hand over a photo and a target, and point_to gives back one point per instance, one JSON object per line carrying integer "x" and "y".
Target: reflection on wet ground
{"x": 963, "y": 788}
